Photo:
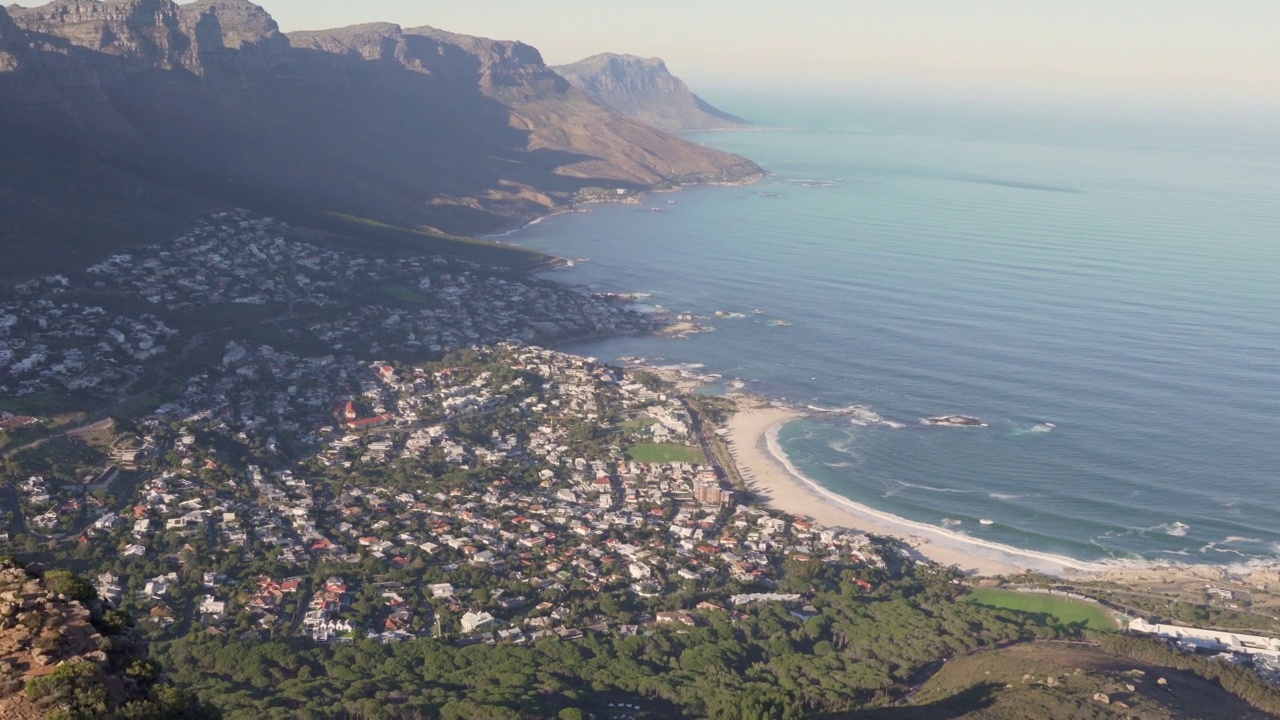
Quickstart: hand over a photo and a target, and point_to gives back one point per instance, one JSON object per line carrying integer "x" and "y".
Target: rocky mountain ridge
{"x": 644, "y": 90}
{"x": 126, "y": 117}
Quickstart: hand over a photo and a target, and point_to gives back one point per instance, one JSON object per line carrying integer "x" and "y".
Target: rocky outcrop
{"x": 64, "y": 654}
{"x": 645, "y": 91}
{"x": 10, "y": 35}
{"x": 41, "y": 630}
{"x": 124, "y": 117}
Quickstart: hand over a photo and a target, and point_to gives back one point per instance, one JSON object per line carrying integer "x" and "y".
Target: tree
{"x": 76, "y": 688}
{"x": 67, "y": 583}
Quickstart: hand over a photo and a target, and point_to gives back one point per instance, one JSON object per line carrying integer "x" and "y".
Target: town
{"x": 100, "y": 330}
{"x": 243, "y": 437}
{"x": 430, "y": 473}
{"x": 481, "y": 497}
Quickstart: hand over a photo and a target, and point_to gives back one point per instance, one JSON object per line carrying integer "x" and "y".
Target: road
{"x": 695, "y": 422}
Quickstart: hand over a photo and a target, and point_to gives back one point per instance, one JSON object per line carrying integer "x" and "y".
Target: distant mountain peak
{"x": 644, "y": 90}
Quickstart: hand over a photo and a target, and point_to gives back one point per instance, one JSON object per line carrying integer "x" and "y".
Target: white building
{"x": 473, "y": 621}
{"x": 1211, "y": 639}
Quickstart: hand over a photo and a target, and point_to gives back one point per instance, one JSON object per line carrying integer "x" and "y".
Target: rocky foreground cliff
{"x": 644, "y": 90}
{"x": 120, "y": 119}
{"x": 64, "y": 655}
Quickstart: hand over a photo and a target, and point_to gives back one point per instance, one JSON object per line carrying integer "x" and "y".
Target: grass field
{"x": 652, "y": 453}
{"x": 404, "y": 294}
{"x": 1049, "y": 610}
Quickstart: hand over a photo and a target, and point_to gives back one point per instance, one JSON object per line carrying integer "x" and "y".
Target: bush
{"x": 75, "y": 688}
{"x": 69, "y": 584}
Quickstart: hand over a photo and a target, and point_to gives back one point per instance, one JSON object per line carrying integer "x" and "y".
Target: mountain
{"x": 645, "y": 91}
{"x": 124, "y": 118}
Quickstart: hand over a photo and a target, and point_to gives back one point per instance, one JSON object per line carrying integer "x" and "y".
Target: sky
{"x": 1197, "y": 53}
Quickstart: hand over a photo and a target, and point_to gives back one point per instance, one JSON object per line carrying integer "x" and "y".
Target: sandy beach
{"x": 753, "y": 430}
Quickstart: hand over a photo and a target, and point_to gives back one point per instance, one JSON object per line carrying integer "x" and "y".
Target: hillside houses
{"x": 510, "y": 492}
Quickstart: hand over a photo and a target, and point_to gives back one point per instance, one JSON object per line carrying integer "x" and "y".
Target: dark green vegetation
{"x": 1046, "y": 609}
{"x": 83, "y": 690}
{"x": 862, "y": 648}
{"x": 438, "y": 133}
{"x": 862, "y": 651}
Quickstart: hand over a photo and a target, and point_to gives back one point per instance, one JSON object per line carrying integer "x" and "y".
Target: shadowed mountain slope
{"x": 126, "y": 117}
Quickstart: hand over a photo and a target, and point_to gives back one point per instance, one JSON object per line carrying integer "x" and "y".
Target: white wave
{"x": 682, "y": 367}
{"x": 1176, "y": 529}
{"x": 1046, "y": 562}
{"x": 1005, "y": 496}
{"x": 1231, "y": 551}
{"x": 839, "y": 465}
{"x": 1214, "y": 547}
{"x": 809, "y": 182}
{"x": 1237, "y": 539}
{"x": 834, "y": 411}
{"x": 843, "y": 447}
{"x": 864, "y": 417}
{"x": 1037, "y": 429}
{"x": 951, "y": 522}
{"x": 859, "y": 416}
{"x": 1043, "y": 561}
{"x": 934, "y": 489}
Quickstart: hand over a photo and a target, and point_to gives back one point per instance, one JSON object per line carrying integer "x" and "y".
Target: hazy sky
{"x": 1198, "y": 51}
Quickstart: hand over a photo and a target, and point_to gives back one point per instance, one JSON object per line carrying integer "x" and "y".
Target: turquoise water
{"x": 1103, "y": 292}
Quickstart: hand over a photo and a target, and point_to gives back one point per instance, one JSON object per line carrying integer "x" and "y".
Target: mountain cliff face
{"x": 644, "y": 90}
{"x": 125, "y": 117}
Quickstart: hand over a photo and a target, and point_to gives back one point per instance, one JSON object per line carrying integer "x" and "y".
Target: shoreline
{"x": 585, "y": 206}
{"x": 751, "y": 435}
{"x": 752, "y": 441}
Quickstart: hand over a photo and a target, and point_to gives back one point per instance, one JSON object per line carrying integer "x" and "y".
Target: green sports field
{"x": 665, "y": 453}
{"x": 1051, "y": 610}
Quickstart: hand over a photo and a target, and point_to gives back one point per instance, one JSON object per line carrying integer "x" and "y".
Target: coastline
{"x": 751, "y": 435}
{"x": 578, "y": 205}
{"x": 752, "y": 440}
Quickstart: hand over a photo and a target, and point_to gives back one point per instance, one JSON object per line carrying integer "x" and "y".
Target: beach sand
{"x": 753, "y": 429}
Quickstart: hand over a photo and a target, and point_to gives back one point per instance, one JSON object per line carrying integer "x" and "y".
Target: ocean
{"x": 1103, "y": 291}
